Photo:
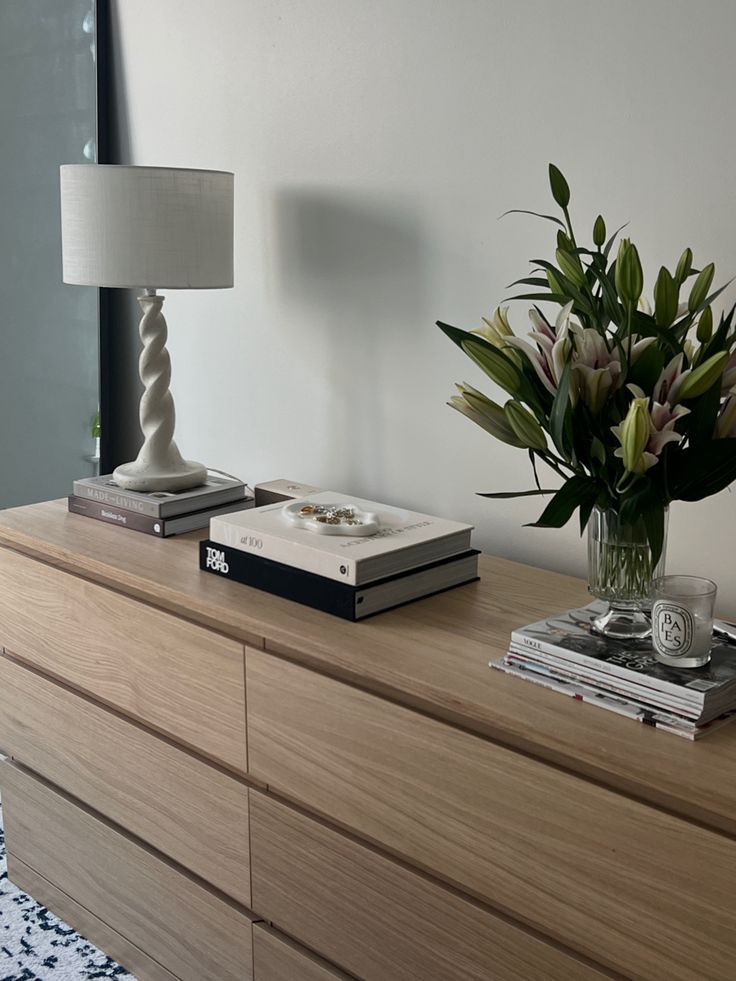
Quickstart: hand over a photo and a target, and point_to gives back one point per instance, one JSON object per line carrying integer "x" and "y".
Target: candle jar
{"x": 682, "y": 620}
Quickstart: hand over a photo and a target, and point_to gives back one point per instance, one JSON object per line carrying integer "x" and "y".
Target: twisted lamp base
{"x": 159, "y": 465}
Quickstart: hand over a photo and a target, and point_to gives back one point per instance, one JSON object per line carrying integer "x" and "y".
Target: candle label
{"x": 673, "y": 629}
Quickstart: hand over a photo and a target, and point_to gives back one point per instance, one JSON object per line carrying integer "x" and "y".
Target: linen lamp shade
{"x": 157, "y": 227}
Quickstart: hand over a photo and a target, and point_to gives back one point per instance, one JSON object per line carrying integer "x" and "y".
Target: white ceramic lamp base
{"x": 159, "y": 465}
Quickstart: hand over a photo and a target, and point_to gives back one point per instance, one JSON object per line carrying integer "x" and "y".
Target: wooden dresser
{"x": 214, "y": 784}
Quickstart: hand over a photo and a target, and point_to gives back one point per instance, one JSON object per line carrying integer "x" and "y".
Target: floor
{"x": 36, "y": 946}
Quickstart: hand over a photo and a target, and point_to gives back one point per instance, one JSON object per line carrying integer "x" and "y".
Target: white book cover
{"x": 404, "y": 539}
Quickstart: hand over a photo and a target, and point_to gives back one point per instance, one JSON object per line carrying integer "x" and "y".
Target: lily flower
{"x": 633, "y": 434}
{"x": 485, "y": 413}
{"x": 729, "y": 374}
{"x": 726, "y": 424}
{"x": 597, "y": 371}
{"x": 497, "y": 329}
{"x": 662, "y": 426}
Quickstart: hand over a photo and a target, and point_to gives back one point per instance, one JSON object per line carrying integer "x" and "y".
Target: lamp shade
{"x": 157, "y": 227}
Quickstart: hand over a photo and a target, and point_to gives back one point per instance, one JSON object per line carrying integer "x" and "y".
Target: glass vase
{"x": 620, "y": 571}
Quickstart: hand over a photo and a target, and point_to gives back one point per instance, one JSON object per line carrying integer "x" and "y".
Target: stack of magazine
{"x": 163, "y": 513}
{"x": 565, "y": 654}
{"x": 383, "y": 557}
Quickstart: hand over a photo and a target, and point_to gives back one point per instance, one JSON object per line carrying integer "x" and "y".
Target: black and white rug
{"x": 37, "y": 946}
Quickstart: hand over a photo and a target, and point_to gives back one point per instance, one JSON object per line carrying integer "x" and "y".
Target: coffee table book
{"x": 160, "y": 527}
{"x": 339, "y": 599}
{"x": 405, "y": 540}
{"x": 216, "y": 490}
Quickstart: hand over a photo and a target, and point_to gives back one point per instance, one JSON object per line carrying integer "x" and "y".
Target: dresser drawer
{"x": 179, "y": 678}
{"x": 642, "y": 891}
{"x": 276, "y": 958}
{"x": 378, "y": 919}
{"x": 185, "y": 927}
{"x": 191, "y": 811}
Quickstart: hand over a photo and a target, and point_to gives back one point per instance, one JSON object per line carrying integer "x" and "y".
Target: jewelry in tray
{"x": 332, "y": 519}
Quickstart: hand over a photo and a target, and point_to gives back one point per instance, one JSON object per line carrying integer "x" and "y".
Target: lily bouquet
{"x": 633, "y": 405}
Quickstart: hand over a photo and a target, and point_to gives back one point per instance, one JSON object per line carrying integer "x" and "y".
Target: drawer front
{"x": 179, "y": 678}
{"x": 90, "y": 927}
{"x": 599, "y": 872}
{"x": 191, "y": 811}
{"x": 276, "y": 958}
{"x": 177, "y": 922}
{"x": 379, "y": 920}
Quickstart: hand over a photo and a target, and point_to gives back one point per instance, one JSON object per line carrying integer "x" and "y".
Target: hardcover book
{"x": 160, "y": 527}
{"x": 337, "y": 598}
{"x": 403, "y": 539}
{"x": 163, "y": 504}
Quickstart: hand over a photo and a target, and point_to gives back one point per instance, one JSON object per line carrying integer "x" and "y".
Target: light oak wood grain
{"x": 431, "y": 655}
{"x": 584, "y": 865}
{"x": 186, "y": 928}
{"x": 87, "y": 924}
{"x": 379, "y": 920}
{"x": 173, "y": 675}
{"x": 276, "y": 958}
{"x": 192, "y": 812}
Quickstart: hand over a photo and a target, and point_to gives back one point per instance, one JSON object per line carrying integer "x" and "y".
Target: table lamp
{"x": 150, "y": 228}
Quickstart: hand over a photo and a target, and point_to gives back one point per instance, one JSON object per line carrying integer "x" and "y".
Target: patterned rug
{"x": 37, "y": 946}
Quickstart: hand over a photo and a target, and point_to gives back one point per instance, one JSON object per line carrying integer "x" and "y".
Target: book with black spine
{"x": 159, "y": 527}
{"x": 216, "y": 490}
{"x": 404, "y": 539}
{"x": 339, "y": 599}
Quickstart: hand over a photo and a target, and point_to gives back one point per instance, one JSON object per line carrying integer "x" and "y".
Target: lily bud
{"x": 599, "y": 232}
{"x": 666, "y": 296}
{"x": 629, "y": 274}
{"x": 485, "y": 413}
{"x": 525, "y": 426}
{"x": 700, "y": 288}
{"x": 571, "y": 267}
{"x": 497, "y": 366}
{"x": 634, "y": 434}
{"x": 497, "y": 329}
{"x": 705, "y": 326}
{"x": 700, "y": 379}
{"x": 559, "y": 186}
{"x": 684, "y": 266}
{"x": 554, "y": 283}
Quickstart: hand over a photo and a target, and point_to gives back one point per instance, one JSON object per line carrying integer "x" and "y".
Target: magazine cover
{"x": 571, "y": 635}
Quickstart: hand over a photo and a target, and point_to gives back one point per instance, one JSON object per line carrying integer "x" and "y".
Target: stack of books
{"x": 355, "y": 575}
{"x": 566, "y": 655}
{"x": 163, "y": 513}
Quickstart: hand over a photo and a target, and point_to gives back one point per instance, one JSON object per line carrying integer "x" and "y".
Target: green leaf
{"x": 575, "y": 492}
{"x": 666, "y": 298}
{"x": 701, "y": 421}
{"x": 523, "y": 211}
{"x": 599, "y": 231}
{"x": 559, "y": 186}
{"x": 506, "y": 495}
{"x": 647, "y": 369}
{"x": 653, "y": 516}
{"x": 560, "y": 410}
{"x": 698, "y": 472}
{"x": 609, "y": 244}
{"x": 529, "y": 281}
{"x": 700, "y": 288}
{"x": 598, "y": 451}
{"x": 586, "y": 509}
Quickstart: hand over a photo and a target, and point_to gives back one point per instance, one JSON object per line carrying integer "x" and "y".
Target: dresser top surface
{"x": 431, "y": 655}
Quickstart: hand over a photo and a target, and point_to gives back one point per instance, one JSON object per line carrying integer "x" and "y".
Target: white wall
{"x": 374, "y": 143}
